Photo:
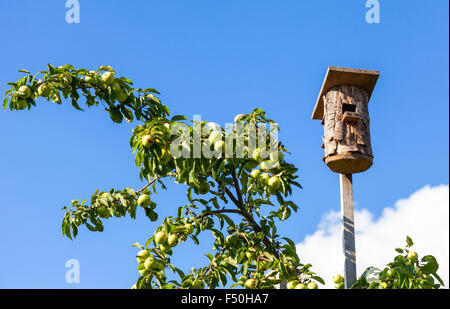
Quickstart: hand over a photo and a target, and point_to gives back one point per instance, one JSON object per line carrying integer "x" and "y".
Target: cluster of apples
{"x": 24, "y": 92}
{"x": 272, "y": 183}
{"x": 147, "y": 140}
{"x": 109, "y": 79}
{"x": 298, "y": 285}
{"x": 215, "y": 139}
{"x": 148, "y": 263}
{"x": 166, "y": 241}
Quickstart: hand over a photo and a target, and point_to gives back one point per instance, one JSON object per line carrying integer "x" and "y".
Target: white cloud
{"x": 424, "y": 216}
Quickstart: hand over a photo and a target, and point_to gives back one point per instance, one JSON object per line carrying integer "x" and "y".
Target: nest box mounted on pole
{"x": 343, "y": 107}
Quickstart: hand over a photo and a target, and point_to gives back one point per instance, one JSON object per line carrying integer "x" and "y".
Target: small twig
{"x": 213, "y": 212}
{"x": 210, "y": 264}
{"x": 147, "y": 185}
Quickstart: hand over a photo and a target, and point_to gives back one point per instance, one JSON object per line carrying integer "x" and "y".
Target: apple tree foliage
{"x": 406, "y": 271}
{"x": 238, "y": 200}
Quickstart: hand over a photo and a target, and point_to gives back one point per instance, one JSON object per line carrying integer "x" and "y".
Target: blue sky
{"x": 217, "y": 59}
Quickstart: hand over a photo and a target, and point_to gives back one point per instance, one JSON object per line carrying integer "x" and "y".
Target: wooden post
{"x": 348, "y": 233}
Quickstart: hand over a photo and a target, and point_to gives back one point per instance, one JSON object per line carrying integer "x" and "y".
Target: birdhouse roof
{"x": 344, "y": 76}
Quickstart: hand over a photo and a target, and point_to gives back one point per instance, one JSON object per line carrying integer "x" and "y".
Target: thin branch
{"x": 231, "y": 196}
{"x": 147, "y": 185}
{"x": 238, "y": 190}
{"x": 213, "y": 212}
{"x": 248, "y": 215}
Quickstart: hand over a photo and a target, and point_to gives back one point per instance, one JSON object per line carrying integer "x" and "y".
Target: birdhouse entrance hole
{"x": 346, "y": 107}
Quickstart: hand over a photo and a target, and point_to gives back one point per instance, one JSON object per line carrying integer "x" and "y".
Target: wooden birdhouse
{"x": 342, "y": 106}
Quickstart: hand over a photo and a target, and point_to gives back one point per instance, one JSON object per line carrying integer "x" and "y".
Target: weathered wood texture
{"x": 346, "y": 123}
{"x": 344, "y": 76}
{"x": 348, "y": 229}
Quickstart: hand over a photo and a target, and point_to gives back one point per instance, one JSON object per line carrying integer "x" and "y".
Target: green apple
{"x": 172, "y": 240}
{"x": 255, "y": 174}
{"x": 21, "y": 104}
{"x": 160, "y": 238}
{"x": 219, "y": 146}
{"x": 158, "y": 265}
{"x": 25, "y": 90}
{"x": 189, "y": 228}
{"x": 144, "y": 200}
{"x": 142, "y": 270}
{"x": 165, "y": 156}
{"x": 301, "y": 286}
{"x": 250, "y": 254}
{"x": 312, "y": 286}
{"x": 274, "y": 183}
{"x": 232, "y": 240}
{"x": 165, "y": 248}
{"x": 116, "y": 87}
{"x": 412, "y": 256}
{"x": 251, "y": 284}
{"x": 122, "y": 96}
{"x": 44, "y": 90}
{"x": 142, "y": 256}
{"x": 292, "y": 284}
{"x": 267, "y": 165}
{"x": 198, "y": 284}
{"x": 203, "y": 188}
{"x": 108, "y": 78}
{"x": 90, "y": 78}
{"x": 149, "y": 262}
{"x": 337, "y": 278}
{"x": 214, "y": 137}
{"x": 238, "y": 117}
{"x": 391, "y": 273}
{"x": 250, "y": 165}
{"x": 147, "y": 140}
{"x": 264, "y": 179}
{"x": 276, "y": 156}
{"x": 259, "y": 154}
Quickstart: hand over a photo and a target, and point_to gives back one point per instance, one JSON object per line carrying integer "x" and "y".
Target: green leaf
{"x": 115, "y": 114}
{"x": 24, "y": 71}
{"x": 431, "y": 265}
{"x": 195, "y": 239}
{"x": 223, "y": 278}
{"x": 150, "y": 90}
{"x": 319, "y": 279}
{"x": 127, "y": 113}
{"x": 147, "y": 243}
{"x": 75, "y": 104}
{"x": 105, "y": 68}
{"x": 5, "y": 103}
{"x": 51, "y": 70}
{"x": 178, "y": 118}
{"x": 290, "y": 242}
{"x": 438, "y": 278}
{"x": 409, "y": 241}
